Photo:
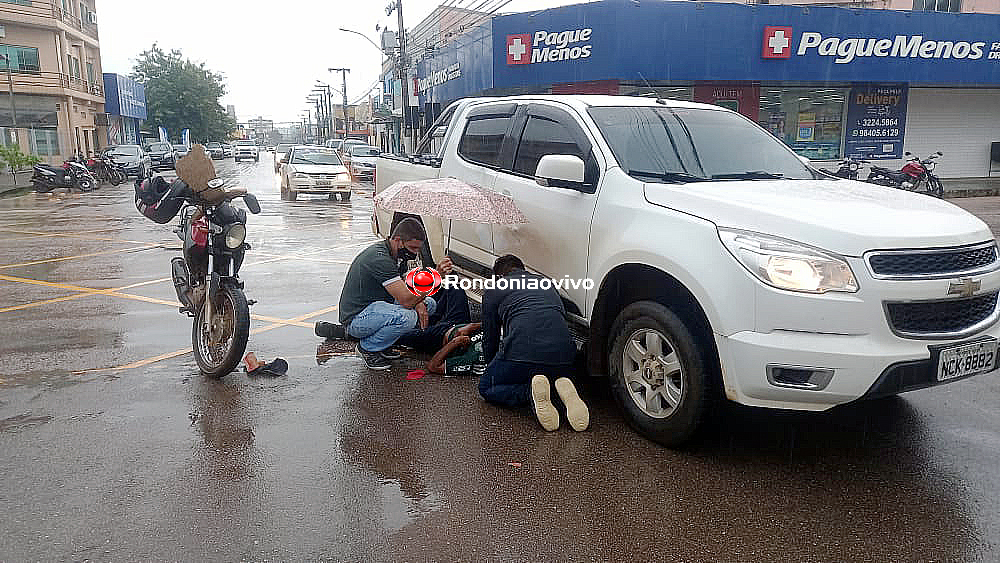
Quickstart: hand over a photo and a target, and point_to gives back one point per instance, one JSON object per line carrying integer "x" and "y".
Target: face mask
{"x": 405, "y": 255}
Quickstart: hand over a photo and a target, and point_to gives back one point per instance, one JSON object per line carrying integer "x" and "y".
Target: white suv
{"x": 720, "y": 261}
{"x": 246, "y": 150}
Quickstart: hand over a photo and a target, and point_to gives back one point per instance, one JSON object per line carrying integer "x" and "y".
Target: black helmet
{"x": 158, "y": 200}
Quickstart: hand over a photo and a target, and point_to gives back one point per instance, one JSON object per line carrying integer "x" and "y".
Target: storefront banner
{"x": 692, "y": 41}
{"x": 876, "y": 121}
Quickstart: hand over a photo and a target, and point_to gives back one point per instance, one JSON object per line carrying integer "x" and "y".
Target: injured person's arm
{"x": 437, "y": 364}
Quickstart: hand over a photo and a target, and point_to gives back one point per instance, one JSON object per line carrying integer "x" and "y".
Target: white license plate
{"x": 324, "y": 183}
{"x": 967, "y": 359}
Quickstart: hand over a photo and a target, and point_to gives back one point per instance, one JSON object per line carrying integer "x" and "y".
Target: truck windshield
{"x": 679, "y": 145}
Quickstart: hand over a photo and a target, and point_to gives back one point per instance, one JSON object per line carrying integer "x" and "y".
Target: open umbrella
{"x": 450, "y": 198}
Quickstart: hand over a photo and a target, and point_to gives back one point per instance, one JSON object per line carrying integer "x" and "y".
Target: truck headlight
{"x": 343, "y": 177}
{"x": 789, "y": 265}
{"x": 235, "y": 235}
{"x": 301, "y": 176}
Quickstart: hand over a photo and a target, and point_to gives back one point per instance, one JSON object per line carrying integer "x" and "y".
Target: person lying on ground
{"x": 462, "y": 353}
{"x": 536, "y": 346}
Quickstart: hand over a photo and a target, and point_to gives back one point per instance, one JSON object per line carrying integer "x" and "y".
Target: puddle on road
{"x": 23, "y": 421}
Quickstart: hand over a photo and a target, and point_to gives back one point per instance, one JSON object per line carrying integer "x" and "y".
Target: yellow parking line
{"x": 130, "y": 249}
{"x": 69, "y": 235}
{"x": 78, "y": 295}
{"x": 48, "y": 284}
{"x": 175, "y": 353}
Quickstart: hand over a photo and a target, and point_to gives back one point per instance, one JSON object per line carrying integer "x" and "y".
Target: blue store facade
{"x": 827, "y": 81}
{"x": 125, "y": 103}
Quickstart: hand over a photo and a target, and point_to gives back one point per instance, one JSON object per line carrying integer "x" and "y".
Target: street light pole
{"x": 343, "y": 72}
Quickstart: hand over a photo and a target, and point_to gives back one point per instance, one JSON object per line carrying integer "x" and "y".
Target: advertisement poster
{"x": 806, "y": 126}
{"x": 876, "y": 120}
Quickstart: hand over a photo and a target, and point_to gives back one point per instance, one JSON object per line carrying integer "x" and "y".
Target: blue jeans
{"x": 507, "y": 383}
{"x": 381, "y": 324}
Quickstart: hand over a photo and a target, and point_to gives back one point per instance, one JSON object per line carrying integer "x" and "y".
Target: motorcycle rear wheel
{"x": 231, "y": 317}
{"x": 85, "y": 185}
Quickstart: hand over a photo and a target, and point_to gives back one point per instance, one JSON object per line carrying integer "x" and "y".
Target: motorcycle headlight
{"x": 854, "y": 166}
{"x": 235, "y": 235}
{"x": 930, "y": 165}
{"x": 789, "y": 265}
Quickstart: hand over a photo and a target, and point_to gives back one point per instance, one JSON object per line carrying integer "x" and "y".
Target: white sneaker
{"x": 577, "y": 413}
{"x": 541, "y": 403}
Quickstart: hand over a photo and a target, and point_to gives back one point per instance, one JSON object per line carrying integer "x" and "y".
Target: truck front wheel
{"x": 657, "y": 374}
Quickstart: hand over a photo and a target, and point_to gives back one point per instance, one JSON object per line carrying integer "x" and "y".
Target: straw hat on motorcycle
{"x": 196, "y": 169}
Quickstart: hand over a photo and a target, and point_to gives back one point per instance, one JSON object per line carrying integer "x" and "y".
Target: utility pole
{"x": 13, "y": 110}
{"x": 343, "y": 73}
{"x": 403, "y": 77}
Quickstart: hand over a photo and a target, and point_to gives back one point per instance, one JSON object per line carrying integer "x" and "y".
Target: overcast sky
{"x": 271, "y": 53}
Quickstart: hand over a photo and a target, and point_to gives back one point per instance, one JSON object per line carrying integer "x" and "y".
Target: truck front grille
{"x": 944, "y": 318}
{"x": 942, "y": 262}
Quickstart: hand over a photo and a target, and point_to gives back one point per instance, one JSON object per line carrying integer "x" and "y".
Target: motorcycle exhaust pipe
{"x": 182, "y": 283}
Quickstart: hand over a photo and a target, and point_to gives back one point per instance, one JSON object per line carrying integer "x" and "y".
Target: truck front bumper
{"x": 845, "y": 368}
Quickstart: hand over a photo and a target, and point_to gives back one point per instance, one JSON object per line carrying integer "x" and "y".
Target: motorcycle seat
{"x": 50, "y": 167}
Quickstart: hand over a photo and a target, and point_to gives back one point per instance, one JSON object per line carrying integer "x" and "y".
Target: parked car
{"x": 227, "y": 150}
{"x": 361, "y": 161}
{"x": 132, "y": 158}
{"x": 279, "y": 152}
{"x": 215, "y": 150}
{"x": 704, "y": 258}
{"x": 180, "y": 151}
{"x": 314, "y": 170}
{"x": 246, "y": 150}
{"x": 161, "y": 155}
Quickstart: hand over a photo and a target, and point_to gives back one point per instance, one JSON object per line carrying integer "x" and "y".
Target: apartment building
{"x": 51, "y": 86}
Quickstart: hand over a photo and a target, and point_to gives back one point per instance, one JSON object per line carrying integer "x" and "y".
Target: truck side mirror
{"x": 560, "y": 171}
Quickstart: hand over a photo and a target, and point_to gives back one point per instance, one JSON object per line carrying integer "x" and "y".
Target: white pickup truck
{"x": 722, "y": 263}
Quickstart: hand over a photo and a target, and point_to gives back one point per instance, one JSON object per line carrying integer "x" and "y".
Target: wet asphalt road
{"x": 116, "y": 449}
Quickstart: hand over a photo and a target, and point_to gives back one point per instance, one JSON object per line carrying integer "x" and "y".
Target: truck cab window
{"x": 483, "y": 138}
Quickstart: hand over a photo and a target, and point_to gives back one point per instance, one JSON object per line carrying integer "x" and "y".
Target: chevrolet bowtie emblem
{"x": 966, "y": 287}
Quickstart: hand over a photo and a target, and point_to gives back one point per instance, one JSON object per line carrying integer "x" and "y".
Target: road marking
{"x": 68, "y": 235}
{"x": 88, "y": 293}
{"x": 131, "y": 249}
{"x": 175, "y": 353}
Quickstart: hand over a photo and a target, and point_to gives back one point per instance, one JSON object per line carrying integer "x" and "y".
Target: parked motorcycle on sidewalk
{"x": 849, "y": 168}
{"x": 106, "y": 170}
{"x": 206, "y": 275}
{"x": 71, "y": 174}
{"x": 916, "y": 176}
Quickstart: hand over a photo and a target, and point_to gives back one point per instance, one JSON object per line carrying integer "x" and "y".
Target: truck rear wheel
{"x": 657, "y": 374}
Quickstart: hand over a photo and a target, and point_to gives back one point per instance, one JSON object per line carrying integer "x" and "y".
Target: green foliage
{"x": 12, "y": 157}
{"x": 181, "y": 93}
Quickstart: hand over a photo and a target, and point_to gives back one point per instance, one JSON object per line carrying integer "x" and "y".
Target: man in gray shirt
{"x": 376, "y": 307}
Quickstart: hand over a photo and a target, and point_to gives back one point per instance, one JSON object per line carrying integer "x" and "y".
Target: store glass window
{"x": 45, "y": 142}
{"x": 809, "y": 120}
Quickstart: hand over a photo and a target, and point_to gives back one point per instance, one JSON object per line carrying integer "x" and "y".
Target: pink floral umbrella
{"x": 450, "y": 198}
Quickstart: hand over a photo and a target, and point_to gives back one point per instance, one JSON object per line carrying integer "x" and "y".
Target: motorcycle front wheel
{"x": 219, "y": 347}
{"x": 936, "y": 189}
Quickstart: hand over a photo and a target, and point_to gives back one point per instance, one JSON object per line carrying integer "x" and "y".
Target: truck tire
{"x": 657, "y": 374}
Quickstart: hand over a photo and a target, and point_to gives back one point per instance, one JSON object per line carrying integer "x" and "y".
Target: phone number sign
{"x": 876, "y": 122}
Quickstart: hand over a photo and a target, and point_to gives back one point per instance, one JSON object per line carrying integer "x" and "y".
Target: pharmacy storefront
{"x": 829, "y": 82}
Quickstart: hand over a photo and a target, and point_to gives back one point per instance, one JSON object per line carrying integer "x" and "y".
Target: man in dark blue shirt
{"x": 535, "y": 346}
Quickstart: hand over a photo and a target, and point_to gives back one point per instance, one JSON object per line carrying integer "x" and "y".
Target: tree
{"x": 182, "y": 94}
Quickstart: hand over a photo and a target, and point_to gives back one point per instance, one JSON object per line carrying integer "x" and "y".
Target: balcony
{"x": 34, "y": 13}
{"x": 48, "y": 83}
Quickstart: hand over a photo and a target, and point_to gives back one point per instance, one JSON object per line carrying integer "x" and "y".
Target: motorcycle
{"x": 848, "y": 168}
{"x": 71, "y": 174}
{"x": 106, "y": 170}
{"x": 206, "y": 275}
{"x": 916, "y": 176}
